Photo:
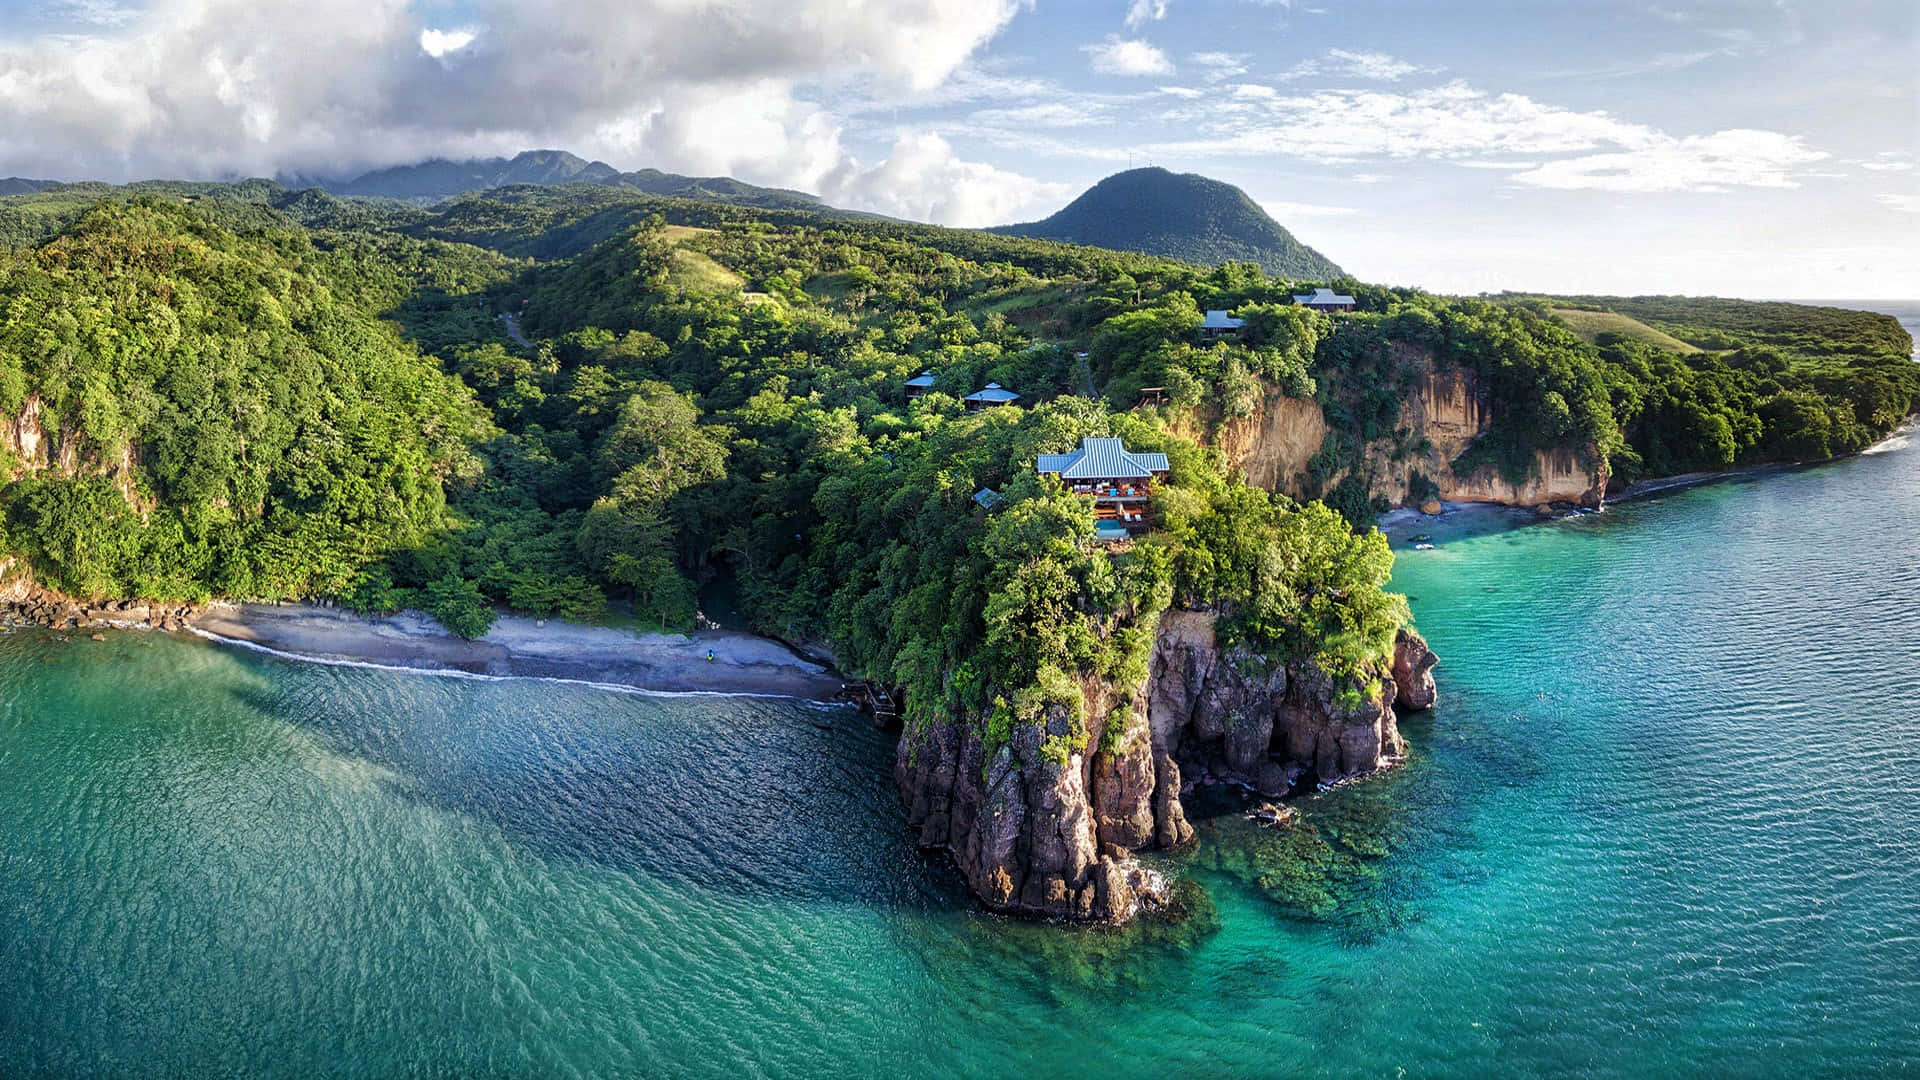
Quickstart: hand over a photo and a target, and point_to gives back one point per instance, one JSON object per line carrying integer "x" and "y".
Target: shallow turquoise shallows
{"x": 1666, "y": 822}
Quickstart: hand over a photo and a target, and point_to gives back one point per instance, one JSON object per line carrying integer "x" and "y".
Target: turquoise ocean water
{"x": 1666, "y": 822}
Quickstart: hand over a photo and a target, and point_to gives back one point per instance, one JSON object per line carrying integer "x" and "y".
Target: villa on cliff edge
{"x": 1120, "y": 481}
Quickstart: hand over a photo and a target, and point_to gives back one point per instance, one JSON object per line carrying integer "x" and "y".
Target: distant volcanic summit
{"x": 1181, "y": 215}
{"x": 432, "y": 181}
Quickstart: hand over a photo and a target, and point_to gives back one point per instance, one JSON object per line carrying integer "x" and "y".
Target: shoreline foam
{"x": 744, "y": 665}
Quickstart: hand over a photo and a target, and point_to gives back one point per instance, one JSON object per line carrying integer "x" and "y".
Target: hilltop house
{"x": 994, "y": 394}
{"x": 1119, "y": 480}
{"x": 919, "y": 384}
{"x": 1325, "y": 300}
{"x": 1219, "y": 324}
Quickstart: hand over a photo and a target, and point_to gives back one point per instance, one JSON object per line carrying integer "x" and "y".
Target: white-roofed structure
{"x": 1120, "y": 480}
{"x": 994, "y": 394}
{"x": 1325, "y": 300}
{"x": 919, "y": 384}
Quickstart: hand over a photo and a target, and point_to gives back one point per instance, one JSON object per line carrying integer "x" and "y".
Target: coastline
{"x": 1458, "y": 519}
{"x": 519, "y": 647}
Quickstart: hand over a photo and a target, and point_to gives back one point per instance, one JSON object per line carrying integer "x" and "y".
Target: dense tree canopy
{"x": 228, "y": 422}
{"x": 243, "y": 405}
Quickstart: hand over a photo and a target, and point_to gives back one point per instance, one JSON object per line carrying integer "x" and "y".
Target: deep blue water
{"x": 1666, "y": 822}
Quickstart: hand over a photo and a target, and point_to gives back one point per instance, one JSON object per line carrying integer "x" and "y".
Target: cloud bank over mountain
{"x": 262, "y": 87}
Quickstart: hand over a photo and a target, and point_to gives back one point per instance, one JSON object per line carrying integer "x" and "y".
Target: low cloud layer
{"x": 1539, "y": 144}
{"x": 196, "y": 88}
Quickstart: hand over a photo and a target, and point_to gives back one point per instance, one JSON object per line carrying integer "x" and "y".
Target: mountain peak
{"x": 1181, "y": 215}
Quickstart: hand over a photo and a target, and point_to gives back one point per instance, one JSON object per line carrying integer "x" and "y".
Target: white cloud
{"x": 1543, "y": 145}
{"x": 1372, "y": 65}
{"x": 1119, "y": 56}
{"x": 1725, "y": 159}
{"x": 1348, "y": 64}
{"x": 1051, "y": 114}
{"x": 1141, "y": 12}
{"x": 1909, "y": 204}
{"x": 199, "y": 87}
{"x": 438, "y": 43}
{"x": 102, "y": 13}
{"x": 1221, "y": 65}
{"x": 923, "y": 180}
{"x": 1885, "y": 161}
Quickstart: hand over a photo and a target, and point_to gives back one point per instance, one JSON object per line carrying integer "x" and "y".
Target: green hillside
{"x": 1712, "y": 322}
{"x": 1591, "y": 324}
{"x": 1182, "y": 216}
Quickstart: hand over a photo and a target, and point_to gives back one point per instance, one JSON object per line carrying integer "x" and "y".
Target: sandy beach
{"x": 519, "y": 646}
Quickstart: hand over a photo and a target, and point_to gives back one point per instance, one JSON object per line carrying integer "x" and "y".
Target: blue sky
{"x": 1758, "y": 149}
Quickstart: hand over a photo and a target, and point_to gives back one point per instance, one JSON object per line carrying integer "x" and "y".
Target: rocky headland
{"x": 1036, "y": 834}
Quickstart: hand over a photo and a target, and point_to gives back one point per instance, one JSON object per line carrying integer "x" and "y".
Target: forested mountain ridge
{"x": 433, "y": 181}
{"x": 1182, "y": 216}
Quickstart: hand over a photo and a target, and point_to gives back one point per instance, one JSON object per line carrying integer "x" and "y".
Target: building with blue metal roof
{"x": 994, "y": 394}
{"x": 1218, "y": 323}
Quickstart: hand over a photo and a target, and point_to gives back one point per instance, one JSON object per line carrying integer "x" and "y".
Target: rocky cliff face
{"x": 27, "y": 446}
{"x": 1040, "y": 836}
{"x": 23, "y": 440}
{"x": 1446, "y": 413}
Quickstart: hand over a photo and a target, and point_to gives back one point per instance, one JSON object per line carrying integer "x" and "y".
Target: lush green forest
{"x": 251, "y": 392}
{"x": 1772, "y": 382}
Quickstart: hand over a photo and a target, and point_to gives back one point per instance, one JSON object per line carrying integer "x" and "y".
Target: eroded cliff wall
{"x": 1442, "y": 418}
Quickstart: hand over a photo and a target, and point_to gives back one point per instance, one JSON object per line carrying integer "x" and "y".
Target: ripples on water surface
{"x": 1667, "y": 821}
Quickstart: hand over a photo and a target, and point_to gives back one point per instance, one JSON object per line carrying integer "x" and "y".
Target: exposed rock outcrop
{"x": 1037, "y": 831}
{"x": 1443, "y": 416}
{"x": 23, "y": 440}
{"x": 1413, "y": 672}
{"x": 23, "y": 603}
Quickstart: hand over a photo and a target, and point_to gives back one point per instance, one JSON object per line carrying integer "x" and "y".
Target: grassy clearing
{"x": 1591, "y": 324}
{"x": 832, "y": 288}
{"x": 697, "y": 272}
{"x": 675, "y": 234}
